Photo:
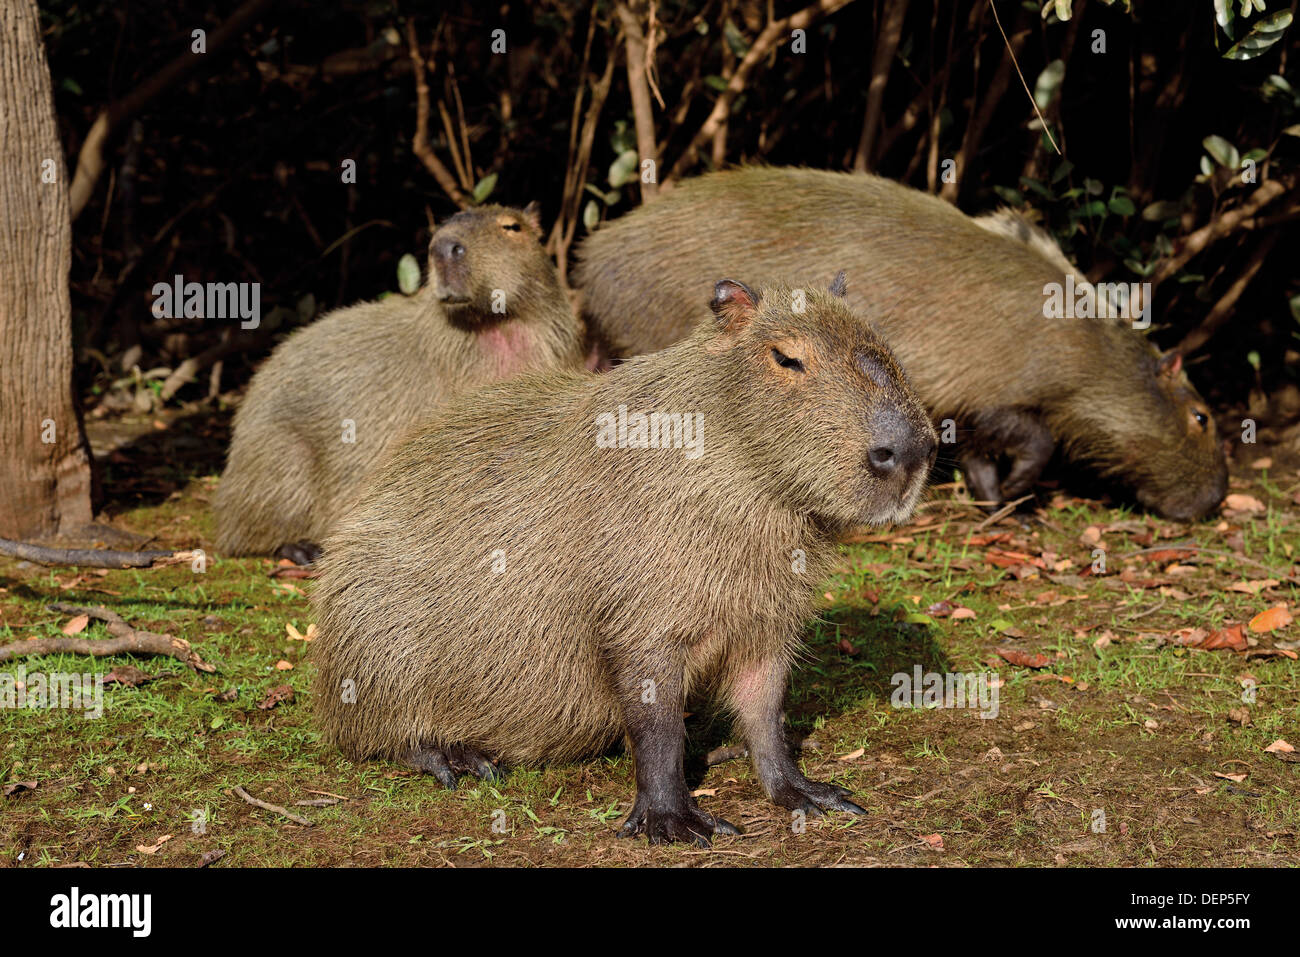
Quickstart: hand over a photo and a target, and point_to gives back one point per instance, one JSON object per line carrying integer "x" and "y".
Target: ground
{"x": 1124, "y": 742}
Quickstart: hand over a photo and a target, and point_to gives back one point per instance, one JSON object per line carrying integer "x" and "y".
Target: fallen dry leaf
{"x": 961, "y": 613}
{"x": 153, "y": 848}
{"x": 296, "y": 635}
{"x": 1240, "y": 502}
{"x": 75, "y": 626}
{"x": 852, "y": 755}
{"x": 1279, "y": 747}
{"x": 283, "y": 665}
{"x": 1023, "y": 658}
{"x": 934, "y": 840}
{"x": 1271, "y": 619}
{"x": 1236, "y": 777}
{"x": 705, "y": 792}
{"x": 278, "y": 694}
{"x": 128, "y": 676}
{"x": 17, "y": 787}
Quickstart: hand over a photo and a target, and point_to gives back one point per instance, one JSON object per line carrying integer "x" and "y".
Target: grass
{"x": 1131, "y": 730}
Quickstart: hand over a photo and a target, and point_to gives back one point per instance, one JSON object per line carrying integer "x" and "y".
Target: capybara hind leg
{"x": 981, "y": 479}
{"x": 1030, "y": 450}
{"x": 664, "y": 810}
{"x": 300, "y": 553}
{"x": 755, "y": 694}
{"x": 448, "y": 764}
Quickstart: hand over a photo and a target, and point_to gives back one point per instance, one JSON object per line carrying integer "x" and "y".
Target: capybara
{"x": 336, "y": 393}
{"x": 558, "y": 561}
{"x": 960, "y": 301}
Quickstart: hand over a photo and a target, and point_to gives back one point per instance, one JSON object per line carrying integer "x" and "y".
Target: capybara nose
{"x": 901, "y": 452}
{"x": 448, "y": 249}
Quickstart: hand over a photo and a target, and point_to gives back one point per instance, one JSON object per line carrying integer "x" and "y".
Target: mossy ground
{"x": 1139, "y": 729}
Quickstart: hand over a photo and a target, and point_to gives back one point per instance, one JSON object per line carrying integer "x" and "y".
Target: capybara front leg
{"x": 449, "y": 763}
{"x": 756, "y": 693}
{"x": 1030, "y": 449}
{"x": 663, "y": 810}
{"x": 300, "y": 553}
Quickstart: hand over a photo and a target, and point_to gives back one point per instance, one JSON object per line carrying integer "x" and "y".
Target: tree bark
{"x": 45, "y": 477}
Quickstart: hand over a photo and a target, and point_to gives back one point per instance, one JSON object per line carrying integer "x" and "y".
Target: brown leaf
{"x": 75, "y": 626}
{"x": 283, "y": 665}
{"x": 1279, "y": 746}
{"x": 934, "y": 840}
{"x": 1169, "y": 554}
{"x": 1232, "y": 638}
{"x": 211, "y": 857}
{"x": 852, "y": 755}
{"x": 940, "y": 609}
{"x": 1271, "y": 619}
{"x": 278, "y": 694}
{"x": 153, "y": 848}
{"x": 128, "y": 676}
{"x": 1236, "y": 777}
{"x": 1240, "y": 502}
{"x": 17, "y": 787}
{"x": 960, "y": 613}
{"x": 1023, "y": 658}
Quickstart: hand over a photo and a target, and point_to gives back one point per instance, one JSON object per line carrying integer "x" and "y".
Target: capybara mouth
{"x": 452, "y": 299}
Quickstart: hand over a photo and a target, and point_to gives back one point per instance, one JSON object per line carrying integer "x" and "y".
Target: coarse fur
{"x": 506, "y": 585}
{"x": 370, "y": 370}
{"x": 961, "y": 302}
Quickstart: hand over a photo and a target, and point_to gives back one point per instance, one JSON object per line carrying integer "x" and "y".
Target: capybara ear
{"x": 733, "y": 303}
{"x": 533, "y": 213}
{"x": 1170, "y": 364}
{"x": 840, "y": 285}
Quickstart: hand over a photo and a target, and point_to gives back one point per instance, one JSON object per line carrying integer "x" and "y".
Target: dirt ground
{"x": 1145, "y": 715}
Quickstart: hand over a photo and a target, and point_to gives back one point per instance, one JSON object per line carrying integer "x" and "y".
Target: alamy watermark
{"x": 653, "y": 430}
{"x": 58, "y": 689}
{"x": 211, "y": 300}
{"x": 1103, "y": 300}
{"x": 932, "y": 689}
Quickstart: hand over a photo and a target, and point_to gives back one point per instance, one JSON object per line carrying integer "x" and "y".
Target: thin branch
{"x": 1032, "y": 101}
{"x": 772, "y": 34}
{"x": 1223, "y": 309}
{"x": 91, "y": 557}
{"x": 274, "y": 808}
{"x": 125, "y": 640}
{"x": 882, "y": 61}
{"x": 1222, "y": 225}
{"x": 639, "y": 87}
{"x": 420, "y": 142}
{"x": 90, "y": 161}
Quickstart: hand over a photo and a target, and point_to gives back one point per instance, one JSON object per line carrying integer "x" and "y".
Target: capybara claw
{"x": 814, "y": 797}
{"x": 686, "y": 825}
{"x": 300, "y": 553}
{"x": 449, "y": 763}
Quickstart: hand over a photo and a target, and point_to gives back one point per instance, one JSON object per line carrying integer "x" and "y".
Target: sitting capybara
{"x": 556, "y": 562}
{"x": 962, "y": 302}
{"x": 335, "y": 394}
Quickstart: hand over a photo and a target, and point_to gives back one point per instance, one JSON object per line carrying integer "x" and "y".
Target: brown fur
{"x": 959, "y": 300}
{"x": 619, "y": 565}
{"x": 381, "y": 365}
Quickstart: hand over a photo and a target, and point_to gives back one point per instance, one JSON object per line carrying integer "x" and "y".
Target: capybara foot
{"x": 666, "y": 821}
{"x": 813, "y": 797}
{"x": 300, "y": 553}
{"x": 449, "y": 763}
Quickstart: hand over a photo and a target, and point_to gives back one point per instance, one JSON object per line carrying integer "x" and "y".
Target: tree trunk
{"x": 45, "y": 475}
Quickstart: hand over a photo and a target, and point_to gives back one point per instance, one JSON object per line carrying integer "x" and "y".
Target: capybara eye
{"x": 785, "y": 361}
{"x": 511, "y": 227}
{"x": 1201, "y": 418}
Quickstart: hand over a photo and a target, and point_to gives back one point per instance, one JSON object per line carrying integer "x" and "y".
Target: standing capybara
{"x": 335, "y": 394}
{"x": 558, "y": 561}
{"x": 962, "y": 304}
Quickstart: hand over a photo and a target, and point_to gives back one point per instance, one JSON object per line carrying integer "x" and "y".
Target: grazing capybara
{"x": 963, "y": 304}
{"x": 335, "y": 394}
{"x": 556, "y": 562}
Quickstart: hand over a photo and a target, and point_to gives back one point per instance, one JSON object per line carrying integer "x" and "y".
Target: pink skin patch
{"x": 512, "y": 346}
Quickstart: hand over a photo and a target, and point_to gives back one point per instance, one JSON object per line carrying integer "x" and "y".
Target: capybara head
{"x": 819, "y": 406}
{"x": 487, "y": 261}
{"x": 1161, "y": 441}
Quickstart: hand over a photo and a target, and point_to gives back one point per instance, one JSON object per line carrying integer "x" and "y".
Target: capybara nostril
{"x": 448, "y": 248}
{"x": 883, "y": 460}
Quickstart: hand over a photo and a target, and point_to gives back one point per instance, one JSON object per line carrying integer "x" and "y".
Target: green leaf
{"x": 483, "y": 189}
{"x": 623, "y": 169}
{"x": 408, "y": 274}
{"x": 1009, "y": 195}
{"x": 1062, "y": 171}
{"x": 1037, "y": 187}
{"x": 1266, "y": 32}
{"x": 1162, "y": 209}
{"x": 715, "y": 82}
{"x": 1254, "y": 155}
{"x": 1224, "y": 153}
{"x": 71, "y": 85}
{"x": 307, "y": 307}
{"x": 1047, "y": 83}
{"x": 1223, "y": 15}
{"x": 735, "y": 39}
{"x": 590, "y": 215}
{"x": 1292, "y": 130}
{"x": 1122, "y": 206}
{"x": 1294, "y": 303}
